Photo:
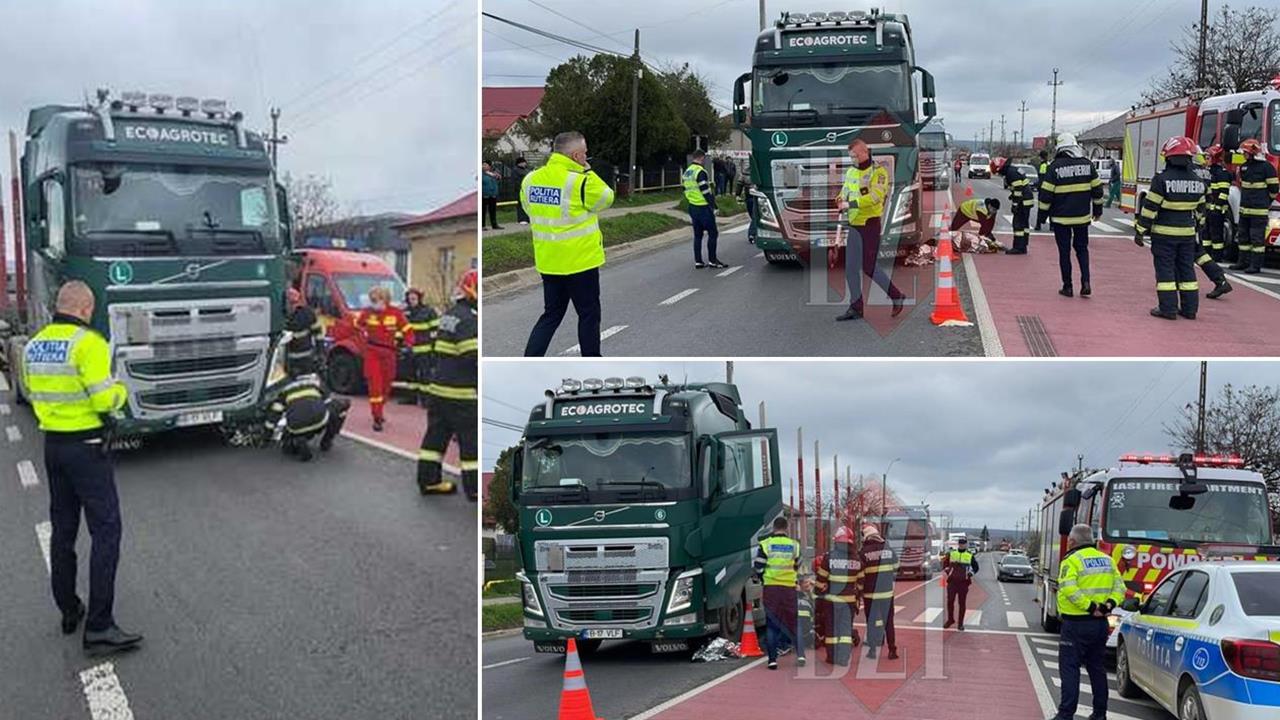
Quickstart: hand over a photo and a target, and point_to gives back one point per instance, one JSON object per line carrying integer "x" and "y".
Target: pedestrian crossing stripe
{"x": 928, "y": 616}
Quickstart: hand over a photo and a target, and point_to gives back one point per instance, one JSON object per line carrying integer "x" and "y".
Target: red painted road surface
{"x": 1114, "y": 322}
{"x": 402, "y": 433}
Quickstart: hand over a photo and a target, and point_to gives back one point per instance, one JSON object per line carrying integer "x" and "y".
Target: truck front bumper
{"x": 547, "y": 639}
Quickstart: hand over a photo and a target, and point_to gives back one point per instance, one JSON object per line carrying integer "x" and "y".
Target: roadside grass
{"x": 726, "y": 205}
{"x": 501, "y": 617}
{"x": 515, "y": 250}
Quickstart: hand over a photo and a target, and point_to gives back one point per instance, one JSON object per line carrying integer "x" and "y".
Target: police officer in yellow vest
{"x": 702, "y": 210}
{"x": 563, "y": 199}
{"x": 67, "y": 375}
{"x": 1089, "y": 588}
{"x": 777, "y": 563}
{"x": 959, "y": 565}
{"x": 864, "y": 195}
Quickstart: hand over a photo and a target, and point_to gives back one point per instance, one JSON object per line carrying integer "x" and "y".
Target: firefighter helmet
{"x": 869, "y": 530}
{"x": 467, "y": 287}
{"x": 1251, "y": 147}
{"x": 1214, "y": 153}
{"x": 997, "y": 165}
{"x": 1179, "y": 145}
{"x": 843, "y": 534}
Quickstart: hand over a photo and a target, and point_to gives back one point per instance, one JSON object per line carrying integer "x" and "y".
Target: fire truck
{"x": 1223, "y": 119}
{"x": 1153, "y": 514}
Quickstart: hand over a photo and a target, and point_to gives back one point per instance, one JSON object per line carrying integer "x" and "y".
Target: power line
{"x": 559, "y": 14}
{"x": 553, "y": 36}
{"x": 506, "y": 404}
{"x": 503, "y": 425}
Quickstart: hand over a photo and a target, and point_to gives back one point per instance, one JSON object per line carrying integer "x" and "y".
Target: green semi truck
{"x": 169, "y": 209}
{"x": 641, "y": 507}
{"x": 818, "y": 81}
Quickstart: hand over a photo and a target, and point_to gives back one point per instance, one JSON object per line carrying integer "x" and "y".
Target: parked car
{"x": 1204, "y": 642}
{"x": 1014, "y": 568}
{"x": 1029, "y": 171}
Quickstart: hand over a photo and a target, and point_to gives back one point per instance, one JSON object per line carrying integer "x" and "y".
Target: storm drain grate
{"x": 1036, "y": 337}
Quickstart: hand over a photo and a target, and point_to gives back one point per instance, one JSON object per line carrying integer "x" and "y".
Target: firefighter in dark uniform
{"x": 424, "y": 323}
{"x": 67, "y": 376}
{"x": 879, "y": 570}
{"x": 1169, "y": 214}
{"x": 451, "y": 403}
{"x": 839, "y": 584}
{"x": 304, "y": 351}
{"x": 1258, "y": 187}
{"x": 1204, "y": 255}
{"x": 1071, "y": 198}
{"x": 1020, "y": 202}
{"x": 959, "y": 565}
{"x": 1042, "y": 169}
{"x": 307, "y": 411}
{"x": 1220, "y": 181}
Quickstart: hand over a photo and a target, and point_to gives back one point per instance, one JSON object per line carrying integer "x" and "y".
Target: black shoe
{"x": 960, "y": 628}
{"x": 1219, "y": 290}
{"x": 851, "y": 314}
{"x": 871, "y": 653}
{"x": 111, "y": 640}
{"x": 1157, "y": 312}
{"x": 1252, "y": 270}
{"x": 773, "y": 664}
{"x": 1066, "y": 291}
{"x": 948, "y": 624}
{"x": 717, "y": 264}
{"x": 1187, "y": 315}
{"x": 898, "y": 305}
{"x": 893, "y": 652}
{"x": 1085, "y": 290}
{"x": 304, "y": 452}
{"x": 699, "y": 265}
{"x": 1238, "y": 266}
{"x": 377, "y": 425}
{"x": 71, "y": 620}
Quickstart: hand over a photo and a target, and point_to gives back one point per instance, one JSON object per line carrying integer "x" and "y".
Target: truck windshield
{"x": 900, "y": 528}
{"x": 935, "y": 142}
{"x": 859, "y": 91}
{"x": 1230, "y": 512}
{"x": 192, "y": 210}
{"x": 1273, "y": 118}
{"x": 597, "y": 461}
{"x": 979, "y": 159}
{"x": 355, "y": 287}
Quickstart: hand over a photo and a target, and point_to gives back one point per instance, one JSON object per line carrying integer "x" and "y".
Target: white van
{"x": 979, "y": 165}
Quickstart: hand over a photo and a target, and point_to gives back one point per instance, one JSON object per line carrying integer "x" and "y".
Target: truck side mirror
{"x": 1071, "y": 499}
{"x": 286, "y": 218}
{"x": 517, "y": 472}
{"x": 1066, "y": 519}
{"x": 1230, "y": 136}
{"x": 927, "y": 87}
{"x": 740, "y": 99}
{"x": 1235, "y": 116}
{"x": 930, "y": 108}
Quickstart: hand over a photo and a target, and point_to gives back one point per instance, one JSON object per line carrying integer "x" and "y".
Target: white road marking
{"x": 1047, "y": 705}
{"x": 1255, "y": 278}
{"x": 14, "y": 433}
{"x": 973, "y": 617}
{"x": 1015, "y": 618}
{"x": 27, "y": 474}
{"x": 1008, "y": 218}
{"x": 1250, "y": 284}
{"x": 504, "y": 662}
{"x": 730, "y": 271}
{"x": 44, "y": 532}
{"x": 576, "y": 349}
{"x": 1044, "y": 641}
{"x": 1103, "y": 226}
{"x": 1125, "y": 220}
{"x": 4, "y": 409}
{"x": 899, "y": 608}
{"x": 759, "y": 255}
{"x": 698, "y": 691}
{"x": 991, "y": 345}
{"x": 673, "y": 299}
{"x": 739, "y": 228}
{"x": 106, "y": 697}
{"x": 928, "y": 616}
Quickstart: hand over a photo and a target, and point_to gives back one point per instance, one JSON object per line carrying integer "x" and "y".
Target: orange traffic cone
{"x": 750, "y": 643}
{"x": 968, "y": 190}
{"x": 946, "y": 297}
{"x": 575, "y": 701}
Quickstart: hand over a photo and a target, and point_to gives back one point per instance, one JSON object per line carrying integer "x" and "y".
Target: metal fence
{"x": 501, "y": 561}
{"x": 649, "y": 178}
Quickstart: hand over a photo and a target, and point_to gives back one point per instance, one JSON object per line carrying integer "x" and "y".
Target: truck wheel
{"x": 730, "y": 620}
{"x": 1050, "y": 623}
{"x": 345, "y": 374}
{"x": 589, "y": 647}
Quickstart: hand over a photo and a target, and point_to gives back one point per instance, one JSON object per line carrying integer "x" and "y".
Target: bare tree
{"x": 1242, "y": 53}
{"x": 311, "y": 202}
{"x": 1239, "y": 421}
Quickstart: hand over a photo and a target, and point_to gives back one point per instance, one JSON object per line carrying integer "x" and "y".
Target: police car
{"x": 1205, "y": 643}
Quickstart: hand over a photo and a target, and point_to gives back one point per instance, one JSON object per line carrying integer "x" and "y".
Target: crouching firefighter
{"x": 307, "y": 412}
{"x": 451, "y": 394}
{"x": 839, "y": 582}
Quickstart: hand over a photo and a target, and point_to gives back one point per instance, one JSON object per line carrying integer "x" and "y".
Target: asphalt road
{"x": 656, "y": 304}
{"x": 265, "y": 588}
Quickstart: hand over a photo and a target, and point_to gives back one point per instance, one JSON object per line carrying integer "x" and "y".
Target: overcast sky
{"x": 375, "y": 94}
{"x": 978, "y": 439}
{"x": 987, "y": 55}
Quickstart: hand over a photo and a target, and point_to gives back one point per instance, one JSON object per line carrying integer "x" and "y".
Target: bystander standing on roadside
{"x": 489, "y": 195}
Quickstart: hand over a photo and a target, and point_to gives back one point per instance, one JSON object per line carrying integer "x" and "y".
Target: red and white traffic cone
{"x": 575, "y": 701}
{"x": 946, "y": 296}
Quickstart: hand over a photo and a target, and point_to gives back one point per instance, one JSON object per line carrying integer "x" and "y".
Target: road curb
{"x": 515, "y": 280}
{"x": 496, "y": 634}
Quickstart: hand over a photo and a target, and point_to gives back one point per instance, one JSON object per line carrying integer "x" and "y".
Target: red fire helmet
{"x": 997, "y": 165}
{"x": 1175, "y": 146}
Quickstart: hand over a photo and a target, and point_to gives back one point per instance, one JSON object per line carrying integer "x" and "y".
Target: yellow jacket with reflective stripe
{"x": 781, "y": 556}
{"x": 975, "y": 209}
{"x": 67, "y": 372}
{"x": 1087, "y": 576}
{"x": 695, "y": 184}
{"x": 563, "y": 200}
{"x": 866, "y": 190}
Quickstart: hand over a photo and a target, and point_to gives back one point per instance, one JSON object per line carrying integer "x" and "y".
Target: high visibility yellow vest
{"x": 562, "y": 201}
{"x": 974, "y": 209}
{"x": 866, "y": 192}
{"x": 961, "y": 557}
{"x": 1044, "y": 168}
{"x": 67, "y": 372}
{"x": 1087, "y": 576}
{"x": 692, "y": 189}
{"x": 780, "y": 566}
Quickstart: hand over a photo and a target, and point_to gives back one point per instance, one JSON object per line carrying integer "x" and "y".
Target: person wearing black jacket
{"x": 451, "y": 403}
{"x": 1071, "y": 198}
{"x": 1020, "y": 201}
{"x": 522, "y": 169}
{"x": 304, "y": 351}
{"x": 1170, "y": 212}
{"x": 423, "y": 323}
{"x": 307, "y": 411}
{"x": 1258, "y": 188}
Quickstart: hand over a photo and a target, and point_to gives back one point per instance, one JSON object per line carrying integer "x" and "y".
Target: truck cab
{"x": 335, "y": 283}
{"x": 935, "y": 156}
{"x": 168, "y": 208}
{"x": 909, "y": 532}
{"x": 641, "y": 508}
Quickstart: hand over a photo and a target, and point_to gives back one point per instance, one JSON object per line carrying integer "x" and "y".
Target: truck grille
{"x": 605, "y": 615}
{"x": 619, "y": 581}
{"x": 165, "y": 399}
{"x": 153, "y": 369}
{"x": 633, "y": 590}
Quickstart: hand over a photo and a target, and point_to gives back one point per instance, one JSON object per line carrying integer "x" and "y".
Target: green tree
{"x": 693, "y": 102}
{"x": 499, "y": 505}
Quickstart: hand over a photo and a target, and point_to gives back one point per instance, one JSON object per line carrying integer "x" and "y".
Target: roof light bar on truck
{"x": 1197, "y": 460}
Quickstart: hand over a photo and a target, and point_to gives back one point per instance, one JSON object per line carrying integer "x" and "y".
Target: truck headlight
{"x": 682, "y": 591}
{"x": 276, "y": 371}
{"x": 767, "y": 215}
{"x": 903, "y": 208}
{"x": 529, "y": 596}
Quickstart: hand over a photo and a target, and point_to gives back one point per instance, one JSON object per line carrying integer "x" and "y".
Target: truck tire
{"x": 730, "y": 620}
{"x": 345, "y": 374}
{"x": 1050, "y": 623}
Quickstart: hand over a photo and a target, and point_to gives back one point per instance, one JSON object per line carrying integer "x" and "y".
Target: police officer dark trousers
{"x": 67, "y": 373}
{"x": 1169, "y": 214}
{"x": 1089, "y": 588}
{"x": 451, "y": 409}
{"x": 702, "y": 211}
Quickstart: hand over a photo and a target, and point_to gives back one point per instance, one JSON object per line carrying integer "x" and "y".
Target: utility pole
{"x": 1001, "y": 129}
{"x": 1023, "y": 125}
{"x": 635, "y": 114}
{"x": 1204, "y": 37}
{"x": 276, "y": 140}
{"x": 835, "y": 497}
{"x": 819, "y": 540}
{"x": 762, "y": 14}
{"x": 1053, "y": 114}
{"x": 804, "y": 528}
{"x": 991, "y": 136}
{"x": 1204, "y": 375}
{"x": 1080, "y": 463}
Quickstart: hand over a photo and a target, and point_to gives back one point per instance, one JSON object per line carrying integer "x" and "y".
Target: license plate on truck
{"x": 602, "y": 634}
{"x": 208, "y": 417}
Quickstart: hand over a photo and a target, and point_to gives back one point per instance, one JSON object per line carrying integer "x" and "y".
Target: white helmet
{"x": 1068, "y": 144}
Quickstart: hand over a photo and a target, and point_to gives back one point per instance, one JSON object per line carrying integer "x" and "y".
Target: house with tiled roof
{"x": 502, "y": 108}
{"x": 442, "y": 246}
